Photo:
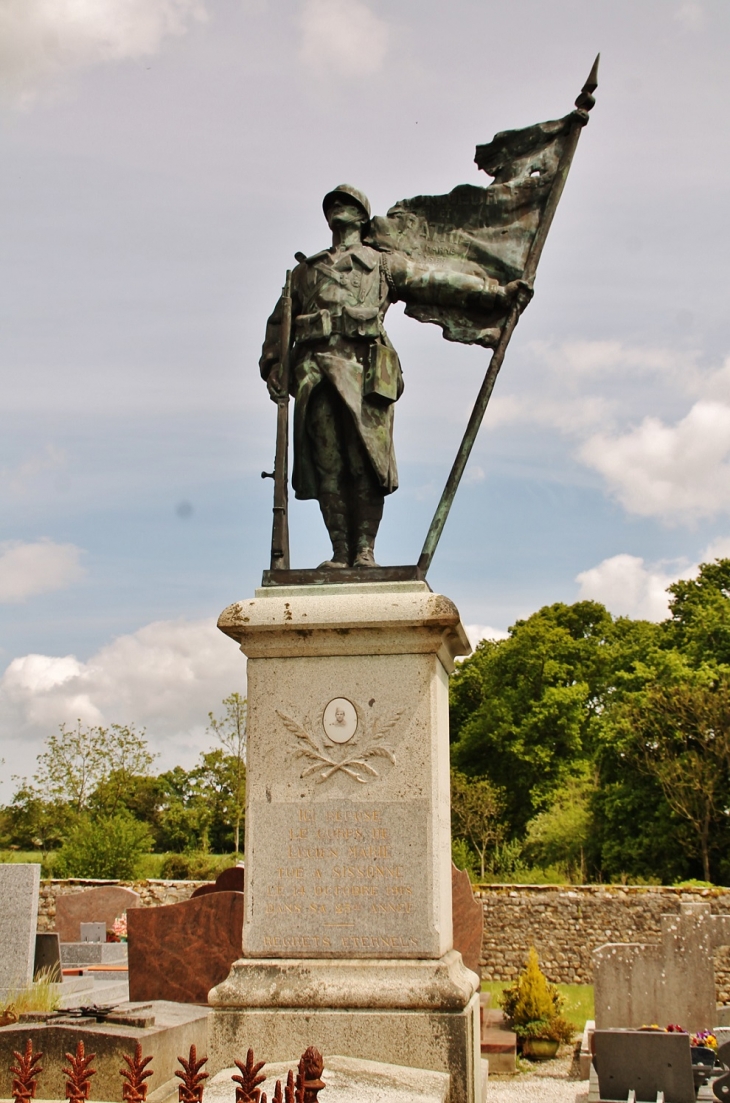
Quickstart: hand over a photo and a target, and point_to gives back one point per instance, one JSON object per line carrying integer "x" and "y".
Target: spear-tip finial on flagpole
{"x": 586, "y": 99}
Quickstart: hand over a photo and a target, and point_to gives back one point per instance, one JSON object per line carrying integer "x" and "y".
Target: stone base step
{"x": 81, "y": 954}
{"x": 347, "y": 1079}
{"x": 499, "y": 1047}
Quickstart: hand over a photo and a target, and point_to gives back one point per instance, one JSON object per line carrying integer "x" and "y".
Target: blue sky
{"x": 162, "y": 160}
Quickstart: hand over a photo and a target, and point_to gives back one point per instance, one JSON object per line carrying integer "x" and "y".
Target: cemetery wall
{"x": 565, "y": 924}
{"x": 152, "y": 894}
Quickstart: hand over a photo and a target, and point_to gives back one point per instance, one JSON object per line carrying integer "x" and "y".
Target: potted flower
{"x": 534, "y": 1006}
{"x": 542, "y": 1037}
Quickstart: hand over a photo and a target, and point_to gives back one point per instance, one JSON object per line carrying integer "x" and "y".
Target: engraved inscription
{"x": 351, "y": 878}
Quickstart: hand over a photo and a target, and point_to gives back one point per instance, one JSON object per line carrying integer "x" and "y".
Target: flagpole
{"x": 584, "y": 103}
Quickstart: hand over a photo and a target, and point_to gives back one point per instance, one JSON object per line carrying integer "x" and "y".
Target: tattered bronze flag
{"x": 485, "y": 232}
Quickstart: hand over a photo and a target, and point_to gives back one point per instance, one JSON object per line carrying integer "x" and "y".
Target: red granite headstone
{"x": 101, "y": 905}
{"x": 468, "y": 919}
{"x": 180, "y": 951}
{"x": 230, "y": 880}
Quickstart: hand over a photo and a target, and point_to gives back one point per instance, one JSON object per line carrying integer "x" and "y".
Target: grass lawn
{"x": 150, "y": 865}
{"x": 578, "y": 999}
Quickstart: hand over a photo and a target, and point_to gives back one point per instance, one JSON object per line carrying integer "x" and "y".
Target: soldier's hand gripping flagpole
{"x": 280, "y": 525}
{"x": 583, "y": 104}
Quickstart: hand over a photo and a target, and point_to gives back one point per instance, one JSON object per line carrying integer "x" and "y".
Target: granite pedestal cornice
{"x": 442, "y": 984}
{"x": 347, "y": 620}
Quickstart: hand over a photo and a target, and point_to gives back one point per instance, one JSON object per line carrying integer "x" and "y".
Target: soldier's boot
{"x": 368, "y": 516}
{"x": 335, "y": 518}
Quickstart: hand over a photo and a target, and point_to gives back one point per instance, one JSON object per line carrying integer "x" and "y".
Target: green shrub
{"x": 531, "y": 997}
{"x": 106, "y": 847}
{"x": 534, "y": 1005}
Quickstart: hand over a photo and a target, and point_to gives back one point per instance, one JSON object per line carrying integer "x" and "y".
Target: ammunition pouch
{"x": 382, "y": 381}
{"x": 361, "y": 322}
{"x": 313, "y": 327}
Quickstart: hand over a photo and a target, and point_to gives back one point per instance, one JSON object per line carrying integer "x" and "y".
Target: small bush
{"x": 534, "y": 1005}
{"x": 108, "y": 847}
{"x": 531, "y": 997}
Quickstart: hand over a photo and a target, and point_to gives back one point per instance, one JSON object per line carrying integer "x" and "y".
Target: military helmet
{"x": 348, "y": 193}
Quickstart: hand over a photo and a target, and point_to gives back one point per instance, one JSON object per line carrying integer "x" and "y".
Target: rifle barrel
{"x": 280, "y": 524}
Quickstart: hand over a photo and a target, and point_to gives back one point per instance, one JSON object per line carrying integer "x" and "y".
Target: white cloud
{"x": 29, "y": 569}
{"x": 16, "y": 480}
{"x": 43, "y": 40}
{"x": 474, "y": 474}
{"x": 717, "y": 549}
{"x": 166, "y": 677}
{"x": 477, "y": 632}
{"x": 627, "y": 588}
{"x": 343, "y": 37}
{"x": 675, "y": 472}
{"x": 691, "y": 15}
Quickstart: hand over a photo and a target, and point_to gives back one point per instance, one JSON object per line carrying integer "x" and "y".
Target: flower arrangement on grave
{"x": 119, "y": 927}
{"x": 704, "y": 1038}
{"x": 534, "y": 1007}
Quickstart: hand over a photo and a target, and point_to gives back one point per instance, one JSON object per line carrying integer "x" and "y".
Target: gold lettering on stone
{"x": 349, "y": 880}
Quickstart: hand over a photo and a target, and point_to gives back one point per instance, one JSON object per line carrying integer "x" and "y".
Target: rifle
{"x": 280, "y": 474}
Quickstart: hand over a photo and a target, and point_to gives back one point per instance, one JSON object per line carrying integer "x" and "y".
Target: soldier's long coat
{"x": 351, "y": 284}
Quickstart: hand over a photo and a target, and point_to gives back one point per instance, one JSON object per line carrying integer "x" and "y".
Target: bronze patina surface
{"x": 466, "y": 262}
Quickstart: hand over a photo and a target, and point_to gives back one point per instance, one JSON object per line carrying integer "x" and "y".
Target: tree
{"x": 699, "y": 609}
{"x": 560, "y": 835}
{"x": 77, "y": 761}
{"x": 476, "y": 805}
{"x": 199, "y": 806}
{"x": 217, "y": 786}
{"x": 105, "y": 847}
{"x": 29, "y": 822}
{"x": 524, "y": 709}
{"x": 230, "y": 731}
{"x": 682, "y": 739}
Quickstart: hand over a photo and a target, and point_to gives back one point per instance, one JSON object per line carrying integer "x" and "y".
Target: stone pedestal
{"x": 347, "y": 928}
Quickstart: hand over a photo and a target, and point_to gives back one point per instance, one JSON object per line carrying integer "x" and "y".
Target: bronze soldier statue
{"x": 345, "y": 374}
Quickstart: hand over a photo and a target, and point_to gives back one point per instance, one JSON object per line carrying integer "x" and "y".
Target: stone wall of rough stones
{"x": 152, "y": 893}
{"x": 566, "y": 923}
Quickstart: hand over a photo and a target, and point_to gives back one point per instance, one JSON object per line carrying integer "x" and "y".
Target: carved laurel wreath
{"x": 371, "y": 746}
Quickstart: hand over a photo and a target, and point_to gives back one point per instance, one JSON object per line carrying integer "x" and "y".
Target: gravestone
{"x": 672, "y": 981}
{"x": 468, "y": 919}
{"x": 180, "y": 951}
{"x": 348, "y": 938}
{"x": 230, "y": 880}
{"x": 92, "y": 932}
{"x": 645, "y": 1062}
{"x": 99, "y": 905}
{"x": 19, "y": 890}
{"x": 48, "y": 953}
